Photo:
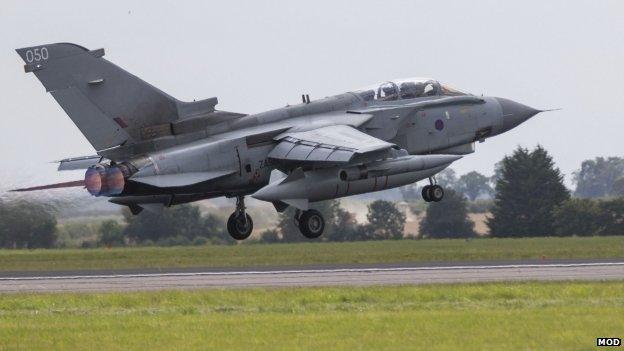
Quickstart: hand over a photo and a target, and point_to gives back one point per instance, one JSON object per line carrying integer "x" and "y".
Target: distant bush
{"x": 26, "y": 225}
{"x": 88, "y": 244}
{"x": 346, "y": 227}
{"x": 269, "y": 236}
{"x": 111, "y": 234}
{"x": 178, "y": 221}
{"x": 577, "y": 217}
{"x": 417, "y": 207}
{"x": 72, "y": 234}
{"x": 447, "y": 218}
{"x": 586, "y": 217}
{"x": 480, "y": 206}
{"x": 200, "y": 241}
{"x": 385, "y": 220}
{"x": 147, "y": 242}
{"x": 612, "y": 216}
{"x": 473, "y": 185}
{"x": 174, "y": 241}
{"x": 600, "y": 177}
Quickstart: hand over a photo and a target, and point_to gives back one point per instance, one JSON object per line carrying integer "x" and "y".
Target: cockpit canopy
{"x": 409, "y": 88}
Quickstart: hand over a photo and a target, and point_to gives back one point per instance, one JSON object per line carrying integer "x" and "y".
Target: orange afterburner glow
{"x": 104, "y": 180}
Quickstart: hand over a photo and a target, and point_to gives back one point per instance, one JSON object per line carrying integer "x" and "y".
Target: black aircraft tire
{"x": 237, "y": 228}
{"x": 425, "y": 193}
{"x": 311, "y": 224}
{"x": 436, "y": 193}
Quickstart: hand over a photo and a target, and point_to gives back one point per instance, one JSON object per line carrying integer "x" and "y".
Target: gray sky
{"x": 257, "y": 55}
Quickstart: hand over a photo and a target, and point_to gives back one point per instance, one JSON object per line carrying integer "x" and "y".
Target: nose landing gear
{"x": 311, "y": 223}
{"x": 432, "y": 192}
{"x": 240, "y": 225}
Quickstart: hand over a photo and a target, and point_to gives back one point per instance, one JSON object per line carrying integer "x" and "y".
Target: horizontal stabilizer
{"x": 180, "y": 179}
{"x": 75, "y": 163}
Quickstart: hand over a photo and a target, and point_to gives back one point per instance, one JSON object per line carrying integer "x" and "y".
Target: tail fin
{"x": 109, "y": 105}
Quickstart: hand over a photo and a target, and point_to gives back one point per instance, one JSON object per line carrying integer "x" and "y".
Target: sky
{"x": 260, "y": 55}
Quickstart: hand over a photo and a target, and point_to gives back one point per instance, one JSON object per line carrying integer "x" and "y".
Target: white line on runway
{"x": 316, "y": 271}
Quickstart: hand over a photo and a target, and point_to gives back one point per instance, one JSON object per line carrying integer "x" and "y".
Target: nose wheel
{"x": 432, "y": 192}
{"x": 311, "y": 223}
{"x": 240, "y": 225}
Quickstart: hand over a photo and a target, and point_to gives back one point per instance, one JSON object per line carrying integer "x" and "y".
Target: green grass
{"x": 313, "y": 253}
{"x": 493, "y": 316}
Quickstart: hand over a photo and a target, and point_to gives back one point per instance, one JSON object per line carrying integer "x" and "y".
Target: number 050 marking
{"x": 37, "y": 54}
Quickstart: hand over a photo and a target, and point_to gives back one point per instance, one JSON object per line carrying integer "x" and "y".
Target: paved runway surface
{"x": 327, "y": 276}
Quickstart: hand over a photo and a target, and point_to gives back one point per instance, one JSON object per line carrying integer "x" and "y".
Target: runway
{"x": 317, "y": 276}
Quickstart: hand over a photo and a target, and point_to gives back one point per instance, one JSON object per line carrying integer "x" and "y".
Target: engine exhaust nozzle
{"x": 105, "y": 180}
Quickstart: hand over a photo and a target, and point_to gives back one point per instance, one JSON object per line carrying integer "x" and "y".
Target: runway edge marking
{"x": 317, "y": 271}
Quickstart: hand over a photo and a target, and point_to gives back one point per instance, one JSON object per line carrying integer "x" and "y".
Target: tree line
{"x": 527, "y": 197}
{"x": 530, "y": 200}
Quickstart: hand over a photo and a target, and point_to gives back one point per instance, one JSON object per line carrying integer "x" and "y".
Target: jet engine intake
{"x": 354, "y": 173}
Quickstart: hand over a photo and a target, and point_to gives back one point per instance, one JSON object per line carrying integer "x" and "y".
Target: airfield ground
{"x": 258, "y": 255}
{"x": 492, "y": 316}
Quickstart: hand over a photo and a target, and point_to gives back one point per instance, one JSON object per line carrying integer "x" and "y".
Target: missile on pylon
{"x": 301, "y": 187}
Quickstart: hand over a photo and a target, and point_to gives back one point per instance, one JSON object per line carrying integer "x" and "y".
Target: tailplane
{"x": 110, "y": 106}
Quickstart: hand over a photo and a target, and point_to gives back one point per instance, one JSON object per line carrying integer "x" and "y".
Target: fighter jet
{"x": 154, "y": 151}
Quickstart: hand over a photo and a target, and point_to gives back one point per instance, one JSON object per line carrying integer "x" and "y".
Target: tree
{"x": 410, "y": 192}
{"x": 447, "y": 178}
{"x": 346, "y": 229}
{"x": 612, "y": 216}
{"x": 597, "y": 177}
{"x": 289, "y": 230}
{"x": 213, "y": 228}
{"x": 447, "y": 218}
{"x": 177, "y": 221}
{"x": 111, "y": 234}
{"x": 269, "y": 236}
{"x": 473, "y": 184}
{"x": 528, "y": 190}
{"x": 385, "y": 220}
{"x": 26, "y": 224}
{"x": 618, "y": 187}
{"x": 577, "y": 217}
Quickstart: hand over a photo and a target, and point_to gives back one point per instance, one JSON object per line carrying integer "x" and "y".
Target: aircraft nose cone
{"x": 515, "y": 113}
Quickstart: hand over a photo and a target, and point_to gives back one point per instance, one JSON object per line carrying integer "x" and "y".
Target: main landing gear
{"x": 240, "y": 225}
{"x": 432, "y": 192}
{"x": 311, "y": 223}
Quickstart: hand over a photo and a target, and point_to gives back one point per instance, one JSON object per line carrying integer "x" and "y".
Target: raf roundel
{"x": 439, "y": 124}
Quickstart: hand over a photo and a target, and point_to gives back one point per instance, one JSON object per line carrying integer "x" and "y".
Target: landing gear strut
{"x": 432, "y": 192}
{"x": 311, "y": 223}
{"x": 240, "y": 225}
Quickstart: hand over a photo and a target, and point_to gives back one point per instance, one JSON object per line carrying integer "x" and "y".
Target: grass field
{"x": 313, "y": 253}
{"x": 517, "y": 316}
